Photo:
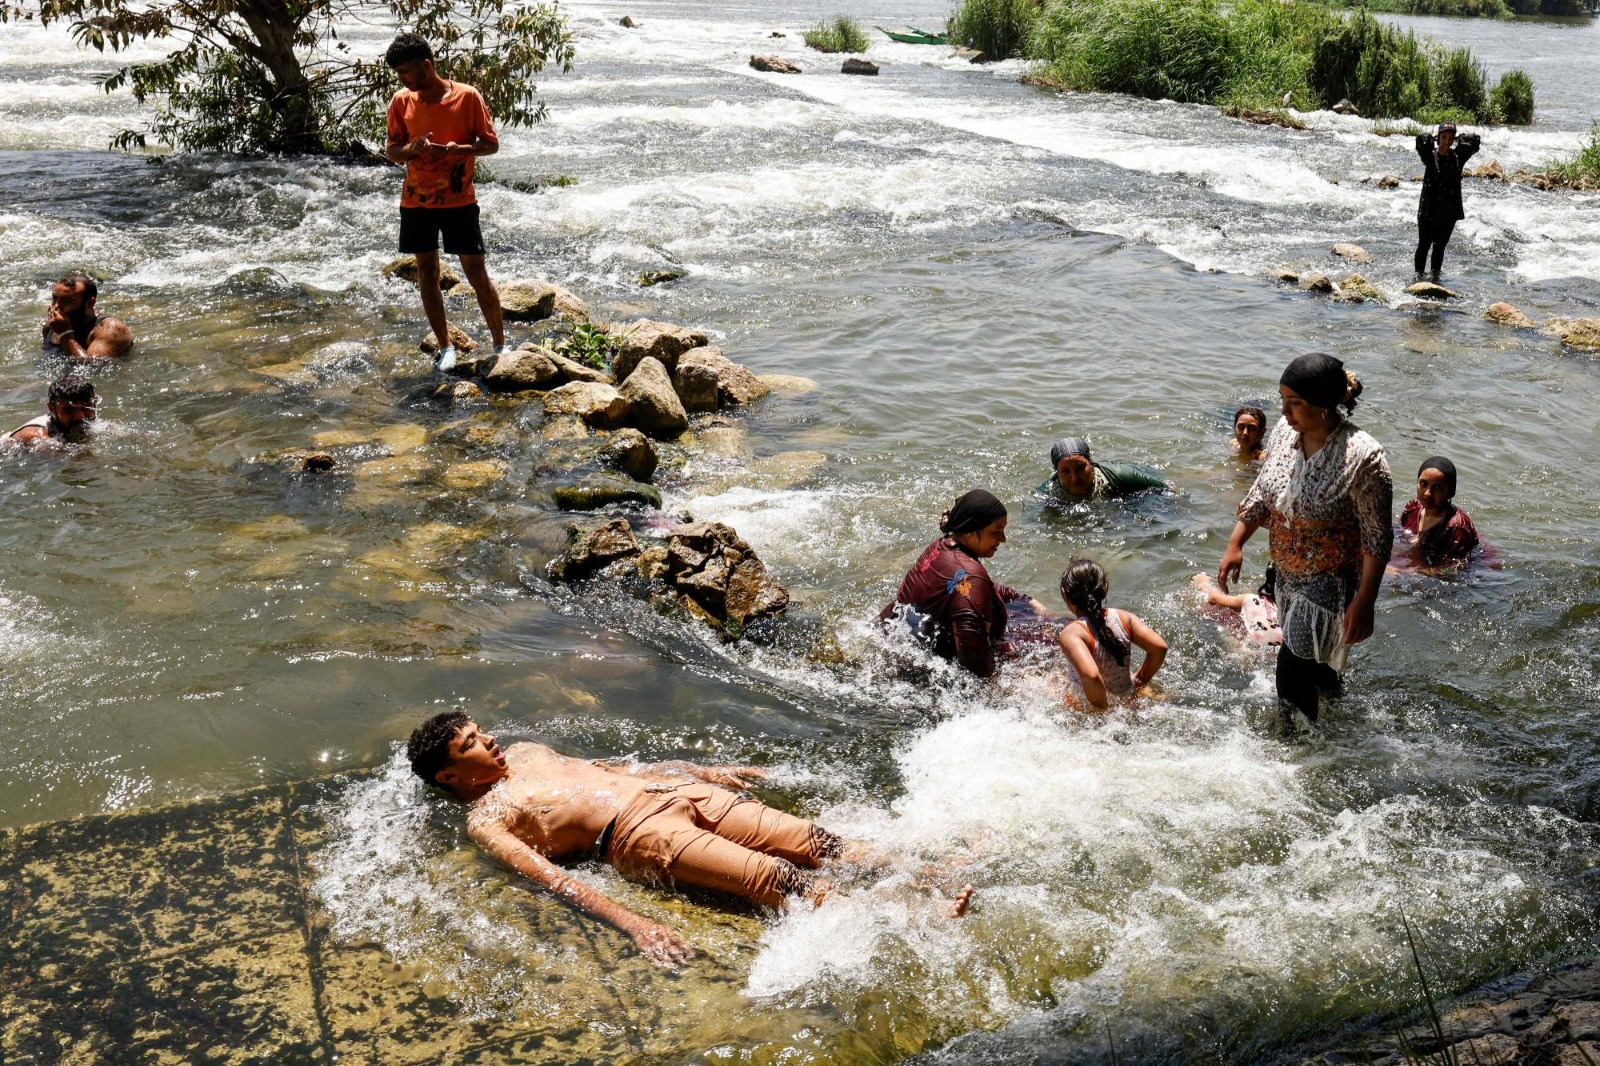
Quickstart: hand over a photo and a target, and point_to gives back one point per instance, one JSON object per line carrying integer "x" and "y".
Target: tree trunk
{"x": 274, "y": 28}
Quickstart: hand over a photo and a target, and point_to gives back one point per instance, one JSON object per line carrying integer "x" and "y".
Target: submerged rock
{"x": 648, "y": 278}
{"x": 1491, "y": 170}
{"x": 1507, "y": 315}
{"x": 653, "y": 406}
{"x": 662, "y": 341}
{"x": 773, "y": 65}
{"x": 1581, "y": 333}
{"x": 1388, "y": 181}
{"x": 1357, "y": 289}
{"x": 460, "y": 392}
{"x": 607, "y": 489}
{"x": 631, "y": 452}
{"x": 787, "y": 384}
{"x": 627, "y": 23}
{"x": 458, "y": 337}
{"x": 1430, "y": 290}
{"x": 1286, "y": 276}
{"x": 565, "y": 427}
{"x": 405, "y": 268}
{"x": 523, "y": 369}
{"x": 859, "y": 66}
{"x": 1352, "y": 251}
{"x": 596, "y": 403}
{"x": 528, "y": 300}
{"x": 1316, "y": 281}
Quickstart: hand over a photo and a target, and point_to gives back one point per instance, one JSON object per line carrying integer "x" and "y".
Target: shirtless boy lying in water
{"x": 657, "y": 823}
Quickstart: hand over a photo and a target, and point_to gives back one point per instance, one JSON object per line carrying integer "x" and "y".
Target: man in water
{"x": 1439, "y": 208}
{"x": 437, "y": 129}
{"x": 657, "y": 823}
{"x": 74, "y": 327}
{"x": 71, "y": 407}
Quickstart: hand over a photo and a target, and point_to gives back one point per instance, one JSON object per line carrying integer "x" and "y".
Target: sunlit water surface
{"x": 969, "y": 268}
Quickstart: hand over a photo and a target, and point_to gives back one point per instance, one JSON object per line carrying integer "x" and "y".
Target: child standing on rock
{"x": 438, "y": 128}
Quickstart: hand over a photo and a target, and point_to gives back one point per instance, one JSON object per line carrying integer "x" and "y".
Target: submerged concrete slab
{"x": 187, "y": 934}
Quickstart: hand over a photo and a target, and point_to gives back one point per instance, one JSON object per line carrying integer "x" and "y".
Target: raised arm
{"x": 1467, "y": 146}
{"x": 660, "y": 945}
{"x": 1425, "y": 150}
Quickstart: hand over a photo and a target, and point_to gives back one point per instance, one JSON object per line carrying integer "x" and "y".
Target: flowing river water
{"x": 970, "y": 268}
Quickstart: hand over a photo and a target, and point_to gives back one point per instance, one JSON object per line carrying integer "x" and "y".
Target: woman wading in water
{"x": 948, "y": 598}
{"x": 1325, "y": 495}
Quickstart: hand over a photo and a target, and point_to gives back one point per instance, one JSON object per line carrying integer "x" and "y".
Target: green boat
{"x": 914, "y": 37}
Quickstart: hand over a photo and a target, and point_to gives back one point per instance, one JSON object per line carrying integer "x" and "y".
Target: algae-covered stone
{"x": 1580, "y": 333}
{"x": 565, "y": 427}
{"x": 653, "y": 406}
{"x": 631, "y": 452}
{"x": 605, "y": 489}
{"x": 595, "y": 403}
{"x": 473, "y": 474}
{"x": 1356, "y": 289}
{"x": 459, "y": 392}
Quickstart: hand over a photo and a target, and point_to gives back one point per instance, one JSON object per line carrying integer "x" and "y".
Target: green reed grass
{"x": 842, "y": 34}
{"x": 1581, "y": 169}
{"x": 999, "y": 29}
{"x": 1513, "y": 98}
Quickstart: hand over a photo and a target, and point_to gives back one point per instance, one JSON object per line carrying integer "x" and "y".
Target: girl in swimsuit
{"x": 1098, "y": 642}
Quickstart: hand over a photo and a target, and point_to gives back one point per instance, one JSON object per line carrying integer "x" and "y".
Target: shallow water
{"x": 969, "y": 268}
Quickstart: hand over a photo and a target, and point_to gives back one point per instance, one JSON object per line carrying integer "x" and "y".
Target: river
{"x": 969, "y": 268}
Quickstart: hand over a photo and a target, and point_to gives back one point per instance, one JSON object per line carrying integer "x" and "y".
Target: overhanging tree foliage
{"x": 275, "y": 76}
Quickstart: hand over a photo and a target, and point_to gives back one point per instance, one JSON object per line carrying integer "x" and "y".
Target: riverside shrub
{"x": 999, "y": 29}
{"x": 1250, "y": 53}
{"x": 840, "y": 35}
{"x": 1513, "y": 98}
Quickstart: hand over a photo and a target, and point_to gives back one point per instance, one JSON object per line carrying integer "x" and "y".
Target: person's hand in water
{"x": 1232, "y": 564}
{"x": 734, "y": 777}
{"x": 1038, "y": 608}
{"x": 660, "y": 945}
{"x": 1358, "y": 621}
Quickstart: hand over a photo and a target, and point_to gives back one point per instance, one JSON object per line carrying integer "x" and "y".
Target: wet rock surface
{"x": 405, "y": 269}
{"x": 1507, "y": 315}
{"x": 662, "y": 341}
{"x": 594, "y": 492}
{"x": 773, "y": 65}
{"x": 527, "y": 300}
{"x": 1430, "y": 290}
{"x": 596, "y": 403}
{"x": 653, "y": 406}
{"x": 1580, "y": 333}
{"x": 1357, "y": 289}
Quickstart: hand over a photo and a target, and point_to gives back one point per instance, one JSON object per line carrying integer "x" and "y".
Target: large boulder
{"x": 712, "y": 564}
{"x": 522, "y": 369}
{"x": 706, "y": 379}
{"x": 596, "y": 403}
{"x": 652, "y": 404}
{"x": 1352, "y": 251}
{"x": 590, "y": 549}
{"x": 1507, "y": 315}
{"x": 631, "y": 452}
{"x": 773, "y": 65}
{"x": 1581, "y": 333}
{"x": 859, "y": 66}
{"x": 1316, "y": 281}
{"x": 458, "y": 337}
{"x": 661, "y": 341}
{"x": 405, "y": 268}
{"x": 527, "y": 300}
{"x": 569, "y": 305}
{"x": 605, "y": 489}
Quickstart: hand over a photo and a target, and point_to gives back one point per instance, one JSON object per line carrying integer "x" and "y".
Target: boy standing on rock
{"x": 438, "y": 128}
{"x": 1439, "y": 208}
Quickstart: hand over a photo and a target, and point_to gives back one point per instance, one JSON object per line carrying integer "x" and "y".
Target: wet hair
{"x": 71, "y": 388}
{"x": 1084, "y": 584}
{"x": 80, "y": 281}
{"x": 974, "y": 511}
{"x": 407, "y": 47}
{"x": 1322, "y": 381}
{"x": 429, "y": 746}
{"x": 1254, "y": 412}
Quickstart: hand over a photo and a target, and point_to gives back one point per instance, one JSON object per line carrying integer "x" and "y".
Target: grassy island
{"x": 1247, "y": 55}
{"x": 1475, "y": 8}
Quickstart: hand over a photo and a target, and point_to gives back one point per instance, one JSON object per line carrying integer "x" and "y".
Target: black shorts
{"x": 420, "y": 228}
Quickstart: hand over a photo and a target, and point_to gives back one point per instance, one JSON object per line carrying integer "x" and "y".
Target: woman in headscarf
{"x": 1439, "y": 207}
{"x": 1435, "y": 530}
{"x": 948, "y": 598}
{"x": 1078, "y": 477}
{"x": 1325, "y": 495}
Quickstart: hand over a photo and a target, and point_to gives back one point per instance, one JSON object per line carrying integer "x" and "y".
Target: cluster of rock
{"x": 1544, "y": 180}
{"x": 1580, "y": 333}
{"x": 1554, "y": 1020}
{"x": 779, "y": 65}
{"x": 1356, "y": 288}
{"x": 704, "y": 567}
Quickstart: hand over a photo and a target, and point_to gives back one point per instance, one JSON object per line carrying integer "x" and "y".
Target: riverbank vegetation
{"x": 1581, "y": 170}
{"x": 273, "y": 76}
{"x": 1247, "y": 56}
{"x": 1475, "y": 8}
{"x": 840, "y": 35}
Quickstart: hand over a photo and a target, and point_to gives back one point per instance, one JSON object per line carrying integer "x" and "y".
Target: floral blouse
{"x": 1322, "y": 513}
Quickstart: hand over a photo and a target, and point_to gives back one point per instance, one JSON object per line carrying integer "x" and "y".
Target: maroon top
{"x": 963, "y": 611}
{"x": 1446, "y": 543}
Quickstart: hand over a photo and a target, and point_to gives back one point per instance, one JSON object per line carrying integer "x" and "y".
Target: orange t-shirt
{"x": 446, "y": 180}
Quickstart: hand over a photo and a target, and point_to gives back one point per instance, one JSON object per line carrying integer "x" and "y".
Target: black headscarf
{"x": 972, "y": 512}
{"x": 1445, "y": 467}
{"x": 1068, "y": 446}
{"x": 1319, "y": 379}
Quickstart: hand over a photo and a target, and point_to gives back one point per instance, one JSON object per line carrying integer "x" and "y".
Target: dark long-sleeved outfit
{"x": 1439, "y": 208}
{"x": 962, "y": 613}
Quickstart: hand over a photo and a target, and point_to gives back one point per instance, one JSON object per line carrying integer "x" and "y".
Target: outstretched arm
{"x": 660, "y": 945}
{"x": 1233, "y": 556}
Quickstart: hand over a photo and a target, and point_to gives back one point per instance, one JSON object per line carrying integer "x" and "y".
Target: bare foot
{"x": 819, "y": 892}
{"x": 961, "y": 904}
